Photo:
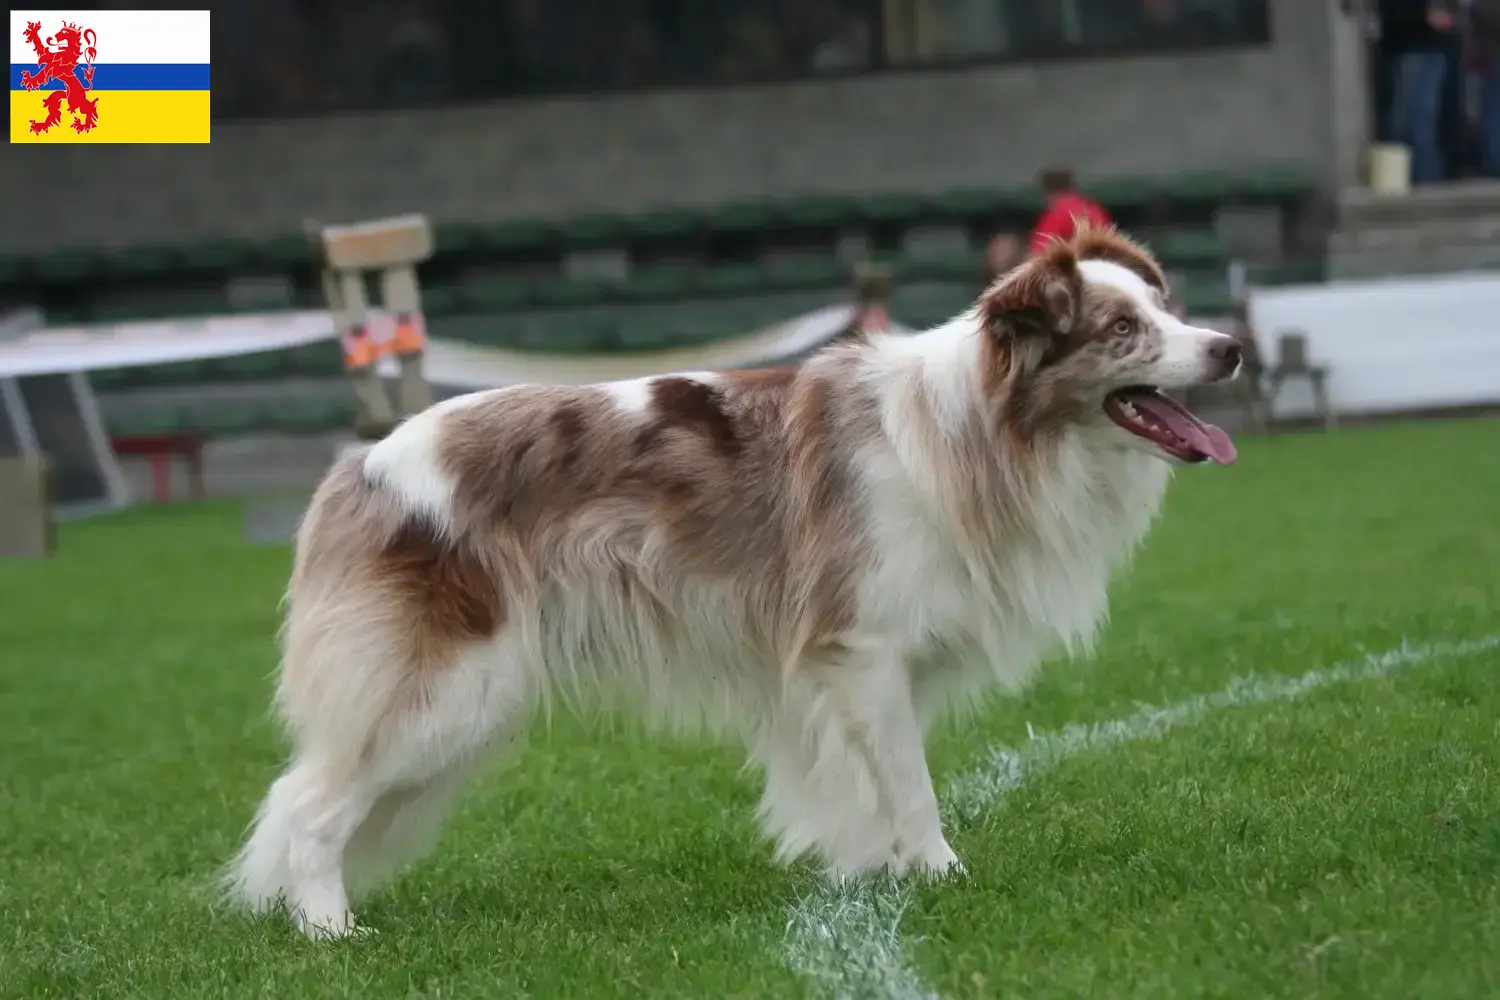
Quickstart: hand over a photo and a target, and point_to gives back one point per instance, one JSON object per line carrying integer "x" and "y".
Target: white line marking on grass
{"x": 848, "y": 938}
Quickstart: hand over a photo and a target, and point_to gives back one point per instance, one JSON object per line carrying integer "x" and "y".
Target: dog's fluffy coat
{"x": 817, "y": 559}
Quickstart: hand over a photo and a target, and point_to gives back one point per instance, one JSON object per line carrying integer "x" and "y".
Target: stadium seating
{"x": 688, "y": 275}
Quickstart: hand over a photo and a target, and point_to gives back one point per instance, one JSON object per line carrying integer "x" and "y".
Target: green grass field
{"x": 1340, "y": 843}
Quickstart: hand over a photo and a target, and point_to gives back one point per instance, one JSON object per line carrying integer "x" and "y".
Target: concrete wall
{"x": 911, "y": 132}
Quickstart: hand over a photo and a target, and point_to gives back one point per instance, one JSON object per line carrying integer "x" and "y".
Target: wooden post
{"x": 26, "y": 527}
{"x": 394, "y": 247}
{"x": 373, "y": 416}
{"x": 403, "y": 300}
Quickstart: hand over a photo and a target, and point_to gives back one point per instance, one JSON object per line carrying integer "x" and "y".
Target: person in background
{"x": 1001, "y": 253}
{"x": 1484, "y": 35}
{"x": 1415, "y": 36}
{"x": 1066, "y": 207}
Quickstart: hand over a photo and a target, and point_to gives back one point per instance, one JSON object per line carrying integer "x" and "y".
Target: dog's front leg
{"x": 873, "y": 694}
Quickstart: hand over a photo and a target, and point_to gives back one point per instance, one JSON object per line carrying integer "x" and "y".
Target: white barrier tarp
{"x": 61, "y": 349}
{"x": 470, "y": 366}
{"x": 450, "y": 363}
{"x": 1390, "y": 345}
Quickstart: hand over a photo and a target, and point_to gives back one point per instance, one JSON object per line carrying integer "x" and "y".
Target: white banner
{"x": 1404, "y": 344}
{"x": 156, "y": 342}
{"x": 449, "y": 363}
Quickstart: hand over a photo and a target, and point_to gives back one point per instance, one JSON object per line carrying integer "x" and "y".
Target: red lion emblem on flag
{"x": 57, "y": 59}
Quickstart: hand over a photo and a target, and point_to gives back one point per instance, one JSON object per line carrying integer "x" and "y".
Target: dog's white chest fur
{"x": 970, "y": 619}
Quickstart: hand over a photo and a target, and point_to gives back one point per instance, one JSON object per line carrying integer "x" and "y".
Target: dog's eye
{"x": 1123, "y": 326}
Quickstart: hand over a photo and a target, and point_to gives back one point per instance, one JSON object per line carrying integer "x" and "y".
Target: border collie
{"x": 819, "y": 560}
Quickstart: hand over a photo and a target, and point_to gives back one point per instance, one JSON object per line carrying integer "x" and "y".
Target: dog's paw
{"x": 932, "y": 861}
{"x": 332, "y": 928}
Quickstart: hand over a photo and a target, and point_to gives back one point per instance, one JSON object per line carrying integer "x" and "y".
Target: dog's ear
{"x": 1041, "y": 298}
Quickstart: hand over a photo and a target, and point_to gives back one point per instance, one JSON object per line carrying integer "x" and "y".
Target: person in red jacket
{"x": 1066, "y": 207}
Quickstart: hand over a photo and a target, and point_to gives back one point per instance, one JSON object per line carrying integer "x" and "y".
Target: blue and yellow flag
{"x": 109, "y": 76}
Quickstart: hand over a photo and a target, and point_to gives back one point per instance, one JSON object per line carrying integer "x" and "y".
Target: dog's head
{"x": 1081, "y": 334}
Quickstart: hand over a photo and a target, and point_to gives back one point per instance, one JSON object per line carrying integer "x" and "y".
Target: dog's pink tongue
{"x": 1206, "y": 439}
{"x": 1217, "y": 445}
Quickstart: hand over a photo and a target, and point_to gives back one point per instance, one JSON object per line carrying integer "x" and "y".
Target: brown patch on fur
{"x": 692, "y": 406}
{"x": 568, "y": 428}
{"x": 366, "y": 567}
{"x": 448, "y": 592}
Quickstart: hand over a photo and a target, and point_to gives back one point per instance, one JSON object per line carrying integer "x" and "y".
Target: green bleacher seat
{"x": 146, "y": 423}
{"x": 1122, "y": 194}
{"x": 175, "y": 373}
{"x": 217, "y": 255}
{"x": 122, "y": 312}
{"x": 229, "y": 419}
{"x": 487, "y": 331}
{"x": 957, "y": 265}
{"x": 141, "y": 260}
{"x": 291, "y": 250}
{"x": 1202, "y": 187}
{"x": 1206, "y": 298}
{"x": 741, "y": 217}
{"x": 261, "y": 365}
{"x": 456, "y": 237}
{"x": 563, "y": 292}
{"x": 891, "y": 208}
{"x": 647, "y": 333}
{"x": 1187, "y": 250}
{"x": 928, "y": 306}
{"x": 311, "y": 416}
{"x": 70, "y": 315}
{"x": 571, "y": 336}
{"x": 590, "y": 232}
{"x": 818, "y": 211}
{"x": 69, "y": 265}
{"x": 1277, "y": 181}
{"x": 1304, "y": 272}
{"x": 731, "y": 279}
{"x": 1025, "y": 201}
{"x": 515, "y": 237}
{"x": 712, "y": 327}
{"x": 494, "y": 295}
{"x": 440, "y": 300}
{"x": 810, "y": 272}
{"x": 657, "y": 283}
{"x": 666, "y": 224}
{"x": 521, "y": 337}
{"x": 109, "y": 379}
{"x": 322, "y": 359}
{"x": 165, "y": 306}
{"x": 962, "y": 204}
{"x": 12, "y": 269}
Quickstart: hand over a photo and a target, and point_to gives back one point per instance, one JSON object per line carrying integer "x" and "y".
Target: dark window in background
{"x": 282, "y": 57}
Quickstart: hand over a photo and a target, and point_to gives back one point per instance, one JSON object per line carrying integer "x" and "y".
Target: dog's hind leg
{"x": 328, "y": 803}
{"x": 402, "y": 826}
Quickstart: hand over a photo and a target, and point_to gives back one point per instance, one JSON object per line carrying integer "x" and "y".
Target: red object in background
{"x": 1060, "y": 218}
{"x": 159, "y": 448}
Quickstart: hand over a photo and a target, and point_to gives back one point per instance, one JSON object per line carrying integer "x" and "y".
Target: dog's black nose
{"x": 1226, "y": 353}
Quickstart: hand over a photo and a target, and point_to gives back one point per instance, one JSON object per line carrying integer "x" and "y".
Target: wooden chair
{"x": 1293, "y": 361}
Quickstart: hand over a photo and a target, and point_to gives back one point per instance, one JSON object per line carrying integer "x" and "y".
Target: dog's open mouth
{"x": 1145, "y": 412}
